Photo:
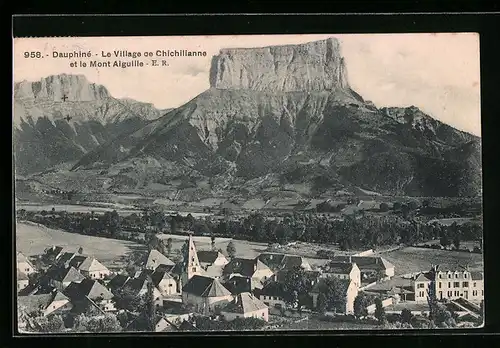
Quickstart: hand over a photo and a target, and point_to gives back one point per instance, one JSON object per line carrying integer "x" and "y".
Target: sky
{"x": 439, "y": 73}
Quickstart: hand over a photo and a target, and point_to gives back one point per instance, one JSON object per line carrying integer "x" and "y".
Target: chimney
{"x": 350, "y": 259}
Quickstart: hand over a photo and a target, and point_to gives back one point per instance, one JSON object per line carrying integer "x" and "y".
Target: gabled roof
{"x": 87, "y": 287}
{"x": 118, "y": 281}
{"x": 208, "y": 256}
{"x": 476, "y": 275}
{"x": 21, "y": 258}
{"x": 244, "y": 303}
{"x": 273, "y": 289}
{"x": 366, "y": 262}
{"x": 158, "y": 276}
{"x": 238, "y": 284}
{"x": 338, "y": 267}
{"x": 65, "y": 257}
{"x": 91, "y": 264}
{"x": 322, "y": 283}
{"x": 155, "y": 258}
{"x": 64, "y": 274}
{"x": 136, "y": 284}
{"x": 21, "y": 276}
{"x": 244, "y": 267}
{"x": 213, "y": 271}
{"x": 205, "y": 287}
{"x": 424, "y": 277}
{"x": 272, "y": 260}
{"x": 78, "y": 260}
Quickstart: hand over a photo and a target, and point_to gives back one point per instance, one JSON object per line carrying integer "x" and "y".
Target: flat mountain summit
{"x": 284, "y": 118}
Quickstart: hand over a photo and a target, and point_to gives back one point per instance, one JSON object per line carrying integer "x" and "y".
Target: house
{"x": 53, "y": 251}
{"x": 164, "y": 325}
{"x": 139, "y": 287}
{"x": 89, "y": 267}
{"x": 352, "y": 291}
{"x": 117, "y": 282}
{"x": 249, "y": 268}
{"x": 370, "y": 266}
{"x": 342, "y": 270}
{"x": 24, "y": 264}
{"x": 54, "y": 302}
{"x": 165, "y": 283}
{"x": 156, "y": 259}
{"x": 22, "y": 281}
{"x": 211, "y": 258}
{"x": 245, "y": 305}
{"x": 449, "y": 283}
{"x": 64, "y": 258}
{"x": 90, "y": 290}
{"x": 277, "y": 261}
{"x": 205, "y": 294}
{"x": 238, "y": 284}
{"x": 60, "y": 277}
{"x": 272, "y": 295}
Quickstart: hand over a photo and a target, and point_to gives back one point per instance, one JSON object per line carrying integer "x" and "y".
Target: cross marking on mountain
{"x": 64, "y": 97}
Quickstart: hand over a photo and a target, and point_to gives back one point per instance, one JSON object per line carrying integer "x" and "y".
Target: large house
{"x": 89, "y": 267}
{"x": 370, "y": 266}
{"x": 211, "y": 258}
{"x": 156, "y": 259}
{"x": 60, "y": 277}
{"x": 448, "y": 283}
{"x": 245, "y": 305}
{"x": 277, "y": 261}
{"x": 342, "y": 270}
{"x": 89, "y": 290}
{"x": 205, "y": 294}
{"x": 22, "y": 281}
{"x": 24, "y": 265}
{"x": 352, "y": 291}
{"x": 53, "y": 302}
{"x": 253, "y": 269}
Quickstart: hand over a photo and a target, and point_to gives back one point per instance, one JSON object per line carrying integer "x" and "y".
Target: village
{"x": 66, "y": 290}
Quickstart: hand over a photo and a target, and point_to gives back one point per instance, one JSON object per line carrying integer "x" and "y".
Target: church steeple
{"x": 191, "y": 265}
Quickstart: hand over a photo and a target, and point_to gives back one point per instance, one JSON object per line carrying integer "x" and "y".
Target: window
{"x": 449, "y": 275}
{"x": 440, "y": 276}
{"x": 474, "y": 284}
{"x": 465, "y": 284}
{"x": 169, "y": 285}
{"x": 474, "y": 292}
{"x": 449, "y": 293}
{"x": 266, "y": 303}
{"x": 449, "y": 284}
{"x": 482, "y": 292}
{"x": 456, "y": 293}
{"x": 194, "y": 269}
{"x": 465, "y": 275}
{"x": 456, "y": 284}
{"x": 263, "y": 314}
{"x": 420, "y": 285}
{"x": 439, "y": 285}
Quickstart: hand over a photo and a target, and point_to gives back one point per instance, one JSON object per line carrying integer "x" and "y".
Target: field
{"x": 411, "y": 259}
{"x": 33, "y": 239}
{"x": 313, "y": 323}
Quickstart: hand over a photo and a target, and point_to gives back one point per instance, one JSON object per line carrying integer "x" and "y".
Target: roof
{"x": 205, "y": 287}
{"x": 118, "y": 281}
{"x": 322, "y": 282}
{"x": 136, "y": 284}
{"x": 338, "y": 267}
{"x": 424, "y": 276}
{"x": 208, "y": 256}
{"x": 21, "y": 258}
{"x": 272, "y": 260}
{"x": 239, "y": 284}
{"x": 291, "y": 261}
{"x": 88, "y": 287}
{"x": 91, "y": 264}
{"x": 273, "y": 289}
{"x": 245, "y": 303}
{"x": 213, "y": 271}
{"x": 476, "y": 275}
{"x": 65, "y": 257}
{"x": 245, "y": 267}
{"x": 155, "y": 258}
{"x": 21, "y": 276}
{"x": 65, "y": 275}
{"x": 54, "y": 250}
{"x": 366, "y": 262}
{"x": 33, "y": 303}
{"x": 78, "y": 260}
{"x": 158, "y": 276}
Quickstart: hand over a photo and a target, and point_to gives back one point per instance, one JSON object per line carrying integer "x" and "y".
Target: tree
{"x": 50, "y": 324}
{"x": 384, "y": 207}
{"x": 169, "y": 246}
{"x": 406, "y": 316}
{"x": 148, "y": 312}
{"x": 231, "y": 249}
{"x": 379, "y": 310}
{"x": 212, "y": 238}
{"x": 360, "y": 306}
{"x": 80, "y": 250}
{"x": 296, "y": 286}
{"x": 334, "y": 291}
{"x": 173, "y": 225}
{"x": 101, "y": 323}
{"x": 396, "y": 206}
{"x": 129, "y": 300}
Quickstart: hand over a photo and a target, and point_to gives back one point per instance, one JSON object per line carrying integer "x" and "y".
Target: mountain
{"x": 285, "y": 119}
{"x": 60, "y": 118}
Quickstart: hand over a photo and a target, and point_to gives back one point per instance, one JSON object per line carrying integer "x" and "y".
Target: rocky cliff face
{"x": 50, "y": 130}
{"x": 278, "y": 118}
{"x": 74, "y": 87}
{"x": 314, "y": 66}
